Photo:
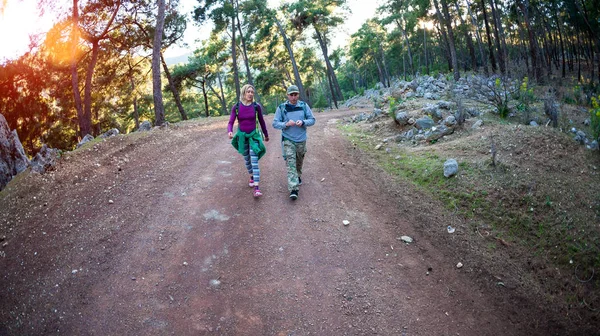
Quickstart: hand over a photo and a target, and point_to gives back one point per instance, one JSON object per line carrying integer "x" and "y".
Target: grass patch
{"x": 527, "y": 206}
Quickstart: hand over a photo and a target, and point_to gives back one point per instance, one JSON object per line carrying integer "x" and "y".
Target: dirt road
{"x": 161, "y": 236}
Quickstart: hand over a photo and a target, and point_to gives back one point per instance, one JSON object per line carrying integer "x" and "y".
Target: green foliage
{"x": 576, "y": 95}
{"x": 378, "y": 102}
{"x": 595, "y": 117}
{"x": 501, "y": 96}
{"x": 526, "y": 98}
{"x": 392, "y": 109}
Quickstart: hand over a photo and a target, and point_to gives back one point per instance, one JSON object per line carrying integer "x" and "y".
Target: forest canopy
{"x": 100, "y": 67}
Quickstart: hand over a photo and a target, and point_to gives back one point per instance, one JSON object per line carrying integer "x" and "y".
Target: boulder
{"x": 12, "y": 155}
{"x": 450, "y": 167}
{"x": 87, "y": 138}
{"x": 145, "y": 126}
{"x": 402, "y": 118}
{"x": 111, "y": 132}
{"x": 45, "y": 159}
{"x": 424, "y": 123}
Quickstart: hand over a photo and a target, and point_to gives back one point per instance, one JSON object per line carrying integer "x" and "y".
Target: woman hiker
{"x": 248, "y": 140}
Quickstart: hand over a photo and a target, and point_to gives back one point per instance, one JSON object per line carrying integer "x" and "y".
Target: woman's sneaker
{"x": 251, "y": 183}
{"x": 257, "y": 192}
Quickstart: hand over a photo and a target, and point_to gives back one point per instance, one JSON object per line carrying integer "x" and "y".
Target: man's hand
{"x": 299, "y": 122}
{"x": 290, "y": 123}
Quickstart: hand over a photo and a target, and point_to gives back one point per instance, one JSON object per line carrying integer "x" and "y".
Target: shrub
{"x": 595, "y": 117}
{"x": 526, "y": 98}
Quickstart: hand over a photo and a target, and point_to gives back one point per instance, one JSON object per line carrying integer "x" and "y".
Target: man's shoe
{"x": 299, "y": 181}
{"x": 294, "y": 194}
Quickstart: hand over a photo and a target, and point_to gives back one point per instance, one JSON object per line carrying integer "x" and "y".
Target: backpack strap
{"x": 254, "y": 104}
{"x": 284, "y": 110}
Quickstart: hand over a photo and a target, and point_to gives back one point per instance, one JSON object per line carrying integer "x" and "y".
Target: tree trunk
{"x": 386, "y": 71}
{"x": 451, "y": 39}
{"x": 410, "y": 58}
{"x": 221, "y": 94}
{"x": 478, "y": 35}
{"x": 444, "y": 24}
{"x": 380, "y": 72}
{"x": 174, "y": 90}
{"x": 87, "y": 90}
{"x": 288, "y": 45}
{"x": 330, "y": 81}
{"x": 593, "y": 35}
{"x": 236, "y": 76}
{"x": 497, "y": 26}
{"x": 84, "y": 128}
{"x": 136, "y": 115}
{"x": 468, "y": 39}
{"x": 489, "y": 37}
{"x": 524, "y": 5}
{"x": 205, "y": 96}
{"x": 159, "y": 109}
{"x": 337, "y": 93}
{"x": 562, "y": 49}
{"x": 244, "y": 50}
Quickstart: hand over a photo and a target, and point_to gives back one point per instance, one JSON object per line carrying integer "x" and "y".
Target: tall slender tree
{"x": 159, "y": 109}
{"x": 320, "y": 16}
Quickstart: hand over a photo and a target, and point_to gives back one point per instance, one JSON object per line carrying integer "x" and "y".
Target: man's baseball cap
{"x": 292, "y": 89}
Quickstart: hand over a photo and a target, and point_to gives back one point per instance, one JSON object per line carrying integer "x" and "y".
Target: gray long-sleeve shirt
{"x": 286, "y": 112}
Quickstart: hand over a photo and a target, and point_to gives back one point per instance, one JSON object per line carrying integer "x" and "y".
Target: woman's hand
{"x": 266, "y": 139}
{"x": 230, "y": 134}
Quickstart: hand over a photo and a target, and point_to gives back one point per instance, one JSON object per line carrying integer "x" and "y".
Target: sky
{"x": 20, "y": 19}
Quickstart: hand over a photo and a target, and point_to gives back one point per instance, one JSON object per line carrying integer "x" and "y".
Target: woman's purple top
{"x": 247, "y": 119}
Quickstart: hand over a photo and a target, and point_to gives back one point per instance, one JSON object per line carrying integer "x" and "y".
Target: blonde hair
{"x": 244, "y": 90}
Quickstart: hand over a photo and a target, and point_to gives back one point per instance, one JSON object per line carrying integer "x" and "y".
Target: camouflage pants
{"x": 294, "y": 158}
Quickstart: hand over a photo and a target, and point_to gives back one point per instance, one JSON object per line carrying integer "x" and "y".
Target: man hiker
{"x": 292, "y": 118}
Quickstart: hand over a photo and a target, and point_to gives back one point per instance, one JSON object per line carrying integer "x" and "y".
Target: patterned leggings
{"x": 251, "y": 160}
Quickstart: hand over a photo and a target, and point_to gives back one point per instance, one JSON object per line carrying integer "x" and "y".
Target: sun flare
{"x": 19, "y": 20}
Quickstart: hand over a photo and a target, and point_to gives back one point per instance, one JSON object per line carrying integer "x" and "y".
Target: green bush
{"x": 595, "y": 117}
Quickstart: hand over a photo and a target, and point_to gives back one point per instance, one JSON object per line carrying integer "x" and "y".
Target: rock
{"x": 581, "y": 137}
{"x": 12, "y": 155}
{"x": 450, "y": 121}
{"x": 402, "y": 118}
{"x": 477, "y": 124}
{"x": 45, "y": 159}
{"x": 87, "y": 138}
{"x": 406, "y": 239}
{"x": 436, "y": 133}
{"x": 145, "y": 126}
{"x": 214, "y": 283}
{"x": 110, "y": 133}
{"x": 424, "y": 123}
{"x": 446, "y": 105}
{"x": 450, "y": 167}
